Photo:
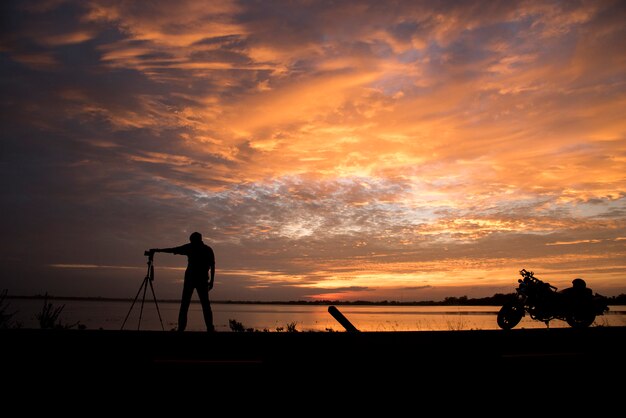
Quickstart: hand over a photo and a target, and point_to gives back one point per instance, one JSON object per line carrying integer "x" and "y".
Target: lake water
{"x": 278, "y": 317}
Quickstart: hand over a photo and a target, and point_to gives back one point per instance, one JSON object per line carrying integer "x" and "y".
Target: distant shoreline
{"x": 238, "y": 302}
{"x": 496, "y": 300}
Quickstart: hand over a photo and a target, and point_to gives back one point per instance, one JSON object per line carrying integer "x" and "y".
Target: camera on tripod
{"x": 147, "y": 281}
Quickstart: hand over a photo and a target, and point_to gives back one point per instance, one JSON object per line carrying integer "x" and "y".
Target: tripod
{"x": 144, "y": 285}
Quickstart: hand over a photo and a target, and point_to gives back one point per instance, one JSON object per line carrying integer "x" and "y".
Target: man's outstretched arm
{"x": 173, "y": 250}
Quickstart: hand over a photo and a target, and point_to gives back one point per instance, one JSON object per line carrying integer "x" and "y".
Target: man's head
{"x": 195, "y": 237}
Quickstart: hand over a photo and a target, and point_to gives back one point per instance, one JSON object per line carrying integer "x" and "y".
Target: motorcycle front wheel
{"x": 580, "y": 320}
{"x": 509, "y": 315}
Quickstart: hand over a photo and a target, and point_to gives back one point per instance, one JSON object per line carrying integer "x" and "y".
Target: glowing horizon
{"x": 347, "y": 151}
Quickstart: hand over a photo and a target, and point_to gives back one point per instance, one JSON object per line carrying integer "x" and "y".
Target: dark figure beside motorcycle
{"x": 577, "y": 305}
{"x": 578, "y": 294}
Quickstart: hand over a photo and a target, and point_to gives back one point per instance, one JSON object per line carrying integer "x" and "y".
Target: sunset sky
{"x": 374, "y": 150}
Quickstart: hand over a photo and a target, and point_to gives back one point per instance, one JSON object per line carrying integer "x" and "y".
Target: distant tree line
{"x": 497, "y": 299}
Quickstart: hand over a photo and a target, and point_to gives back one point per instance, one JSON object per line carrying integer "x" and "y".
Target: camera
{"x": 148, "y": 253}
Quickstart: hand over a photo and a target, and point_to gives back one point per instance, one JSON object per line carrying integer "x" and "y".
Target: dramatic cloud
{"x": 326, "y": 150}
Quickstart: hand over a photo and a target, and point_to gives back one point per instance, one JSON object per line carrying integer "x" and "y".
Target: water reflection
{"x": 274, "y": 317}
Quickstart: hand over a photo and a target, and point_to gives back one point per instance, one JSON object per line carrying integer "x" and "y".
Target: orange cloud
{"x": 351, "y": 150}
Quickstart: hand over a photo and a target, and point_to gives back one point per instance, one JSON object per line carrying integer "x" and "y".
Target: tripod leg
{"x": 157, "y": 305}
{"x": 133, "y": 304}
{"x": 142, "y": 301}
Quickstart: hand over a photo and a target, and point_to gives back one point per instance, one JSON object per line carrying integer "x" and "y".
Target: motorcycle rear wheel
{"x": 509, "y": 315}
{"x": 580, "y": 320}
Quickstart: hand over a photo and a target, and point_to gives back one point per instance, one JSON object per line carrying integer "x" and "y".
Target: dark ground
{"x": 559, "y": 360}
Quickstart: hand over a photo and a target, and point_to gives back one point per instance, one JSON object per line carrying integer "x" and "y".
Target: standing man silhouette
{"x": 199, "y": 275}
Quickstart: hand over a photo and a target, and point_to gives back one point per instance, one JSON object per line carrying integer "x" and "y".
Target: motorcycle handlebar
{"x": 530, "y": 276}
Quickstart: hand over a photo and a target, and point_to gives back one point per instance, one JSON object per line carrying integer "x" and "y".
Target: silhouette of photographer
{"x": 199, "y": 275}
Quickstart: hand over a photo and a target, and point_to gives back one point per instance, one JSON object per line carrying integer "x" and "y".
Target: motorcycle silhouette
{"x": 578, "y": 306}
